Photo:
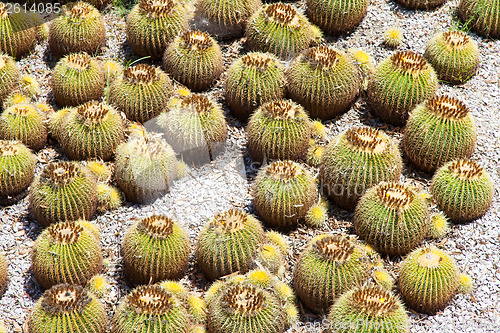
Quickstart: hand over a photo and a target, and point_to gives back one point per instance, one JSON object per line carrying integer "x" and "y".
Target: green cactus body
{"x": 252, "y": 80}
{"x": 483, "y": 16}
{"x": 4, "y": 274}
{"x": 141, "y": 92}
{"x": 462, "y": 189}
{"x": 155, "y": 248}
{"x": 399, "y": 83}
{"x": 270, "y": 258}
{"x": 279, "y": 28}
{"x": 368, "y": 309}
{"x": 111, "y": 69}
{"x": 357, "y": 160}
{"x": 453, "y": 55}
{"x": 80, "y": 28}
{"x": 92, "y": 130}
{"x": 250, "y": 303}
{"x": 150, "y": 308}
{"x": 108, "y": 197}
{"x": 66, "y": 252}
{"x": 365, "y": 64}
{"x": 392, "y": 217}
{"x": 57, "y": 121}
{"x": 196, "y": 128}
{"x": 152, "y": 25}
{"x": 17, "y": 167}
{"x": 421, "y": 4}
{"x": 64, "y": 191}
{"x": 228, "y": 18}
{"x": 428, "y": 279}
{"x": 279, "y": 129}
{"x": 18, "y": 31}
{"x": 76, "y": 79}
{"x": 67, "y": 308}
{"x": 329, "y": 266}
{"x": 194, "y": 59}
{"x": 336, "y": 16}
{"x": 9, "y": 76}
{"x": 324, "y": 81}
{"x": 393, "y": 37}
{"x": 438, "y": 131}
{"x": 284, "y": 192}
{"x": 439, "y": 226}
{"x": 145, "y": 168}
{"x": 30, "y": 86}
{"x": 24, "y": 122}
{"x": 229, "y": 242}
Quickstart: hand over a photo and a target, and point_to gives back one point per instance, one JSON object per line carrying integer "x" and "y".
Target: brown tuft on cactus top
{"x": 157, "y": 226}
{"x": 282, "y": 12}
{"x": 466, "y": 169}
{"x": 243, "y": 300}
{"x": 409, "y": 61}
{"x": 93, "y": 112}
{"x": 151, "y": 300}
{"x": 64, "y": 298}
{"x": 375, "y": 301}
{"x": 281, "y": 109}
{"x": 366, "y": 139}
{"x": 447, "y": 107}
{"x": 230, "y": 221}
{"x": 60, "y": 175}
{"x": 157, "y": 8}
{"x": 140, "y": 73}
{"x": 198, "y": 40}
{"x": 456, "y": 38}
{"x": 334, "y": 247}
{"x": 79, "y": 61}
{"x": 395, "y": 195}
{"x": 285, "y": 170}
{"x": 322, "y": 56}
{"x": 257, "y": 59}
{"x": 65, "y": 232}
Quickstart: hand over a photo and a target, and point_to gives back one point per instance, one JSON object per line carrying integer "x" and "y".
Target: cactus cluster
{"x": 399, "y": 83}
{"x": 17, "y": 167}
{"x": 252, "y": 80}
{"x": 64, "y": 191}
{"x": 454, "y": 56}
{"x": 195, "y": 126}
{"x": 26, "y": 123}
{"x": 155, "y": 248}
{"x": 279, "y": 28}
{"x": 368, "y": 309}
{"x": 92, "y": 130}
{"x": 141, "y": 92}
{"x": 325, "y": 81}
{"x": 357, "y": 160}
{"x": 336, "y": 16}
{"x": 483, "y": 16}
{"x": 439, "y": 130}
{"x": 462, "y": 189}
{"x": 392, "y": 217}
{"x": 284, "y": 191}
{"x": 194, "y": 59}
{"x": 67, "y": 308}
{"x": 76, "y": 79}
{"x": 228, "y": 243}
{"x": 279, "y": 129}
{"x": 153, "y": 24}
{"x": 421, "y": 4}
{"x": 80, "y": 28}
{"x": 330, "y": 265}
{"x": 66, "y": 252}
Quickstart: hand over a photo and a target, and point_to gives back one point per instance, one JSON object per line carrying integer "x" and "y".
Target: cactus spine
{"x": 17, "y": 167}
{"x": 26, "y": 123}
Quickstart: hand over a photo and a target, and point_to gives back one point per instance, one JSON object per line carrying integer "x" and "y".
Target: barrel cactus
{"x": 26, "y": 123}
{"x": 483, "y": 16}
{"x": 336, "y": 16}
{"x": 18, "y": 30}
{"x": 17, "y": 167}
{"x": 9, "y": 76}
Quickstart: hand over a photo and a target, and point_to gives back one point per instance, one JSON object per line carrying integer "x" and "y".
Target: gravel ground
{"x": 226, "y": 182}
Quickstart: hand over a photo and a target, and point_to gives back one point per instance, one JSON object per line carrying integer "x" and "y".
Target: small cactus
{"x": 393, "y": 37}
{"x": 67, "y": 308}
{"x": 252, "y": 80}
{"x": 29, "y": 86}
{"x": 400, "y": 82}
{"x": 392, "y": 217}
{"x": 66, "y": 252}
{"x": 368, "y": 309}
{"x": 336, "y": 16}
{"x": 111, "y": 69}
{"x": 18, "y": 30}
{"x": 462, "y": 189}
{"x": 17, "y": 167}
{"x": 141, "y": 92}
{"x": 80, "y": 28}
{"x": 317, "y": 215}
{"x": 92, "y": 130}
{"x": 150, "y": 308}
{"x": 152, "y": 25}
{"x": 108, "y": 197}
{"x": 357, "y": 160}
{"x": 194, "y": 59}
{"x": 26, "y": 123}
{"x": 279, "y": 28}
{"x": 428, "y": 279}
{"x": 155, "y": 248}
{"x": 454, "y": 56}
{"x": 99, "y": 285}
{"x": 270, "y": 258}
{"x": 227, "y": 19}
{"x": 279, "y": 129}
{"x": 10, "y": 76}
{"x": 284, "y": 193}
{"x": 483, "y": 16}
{"x": 4, "y": 273}
{"x": 64, "y": 191}
{"x": 57, "y": 121}
{"x": 76, "y": 79}
{"x": 196, "y": 128}
{"x": 14, "y": 98}
{"x": 329, "y": 266}
{"x": 325, "y": 81}
{"x": 315, "y": 154}
{"x": 439, "y": 130}
{"x": 228, "y": 242}
{"x": 439, "y": 226}
{"x": 145, "y": 168}
{"x": 421, "y": 4}
{"x": 102, "y": 171}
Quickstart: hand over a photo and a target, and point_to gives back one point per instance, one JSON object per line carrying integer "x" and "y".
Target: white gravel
{"x": 226, "y": 182}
